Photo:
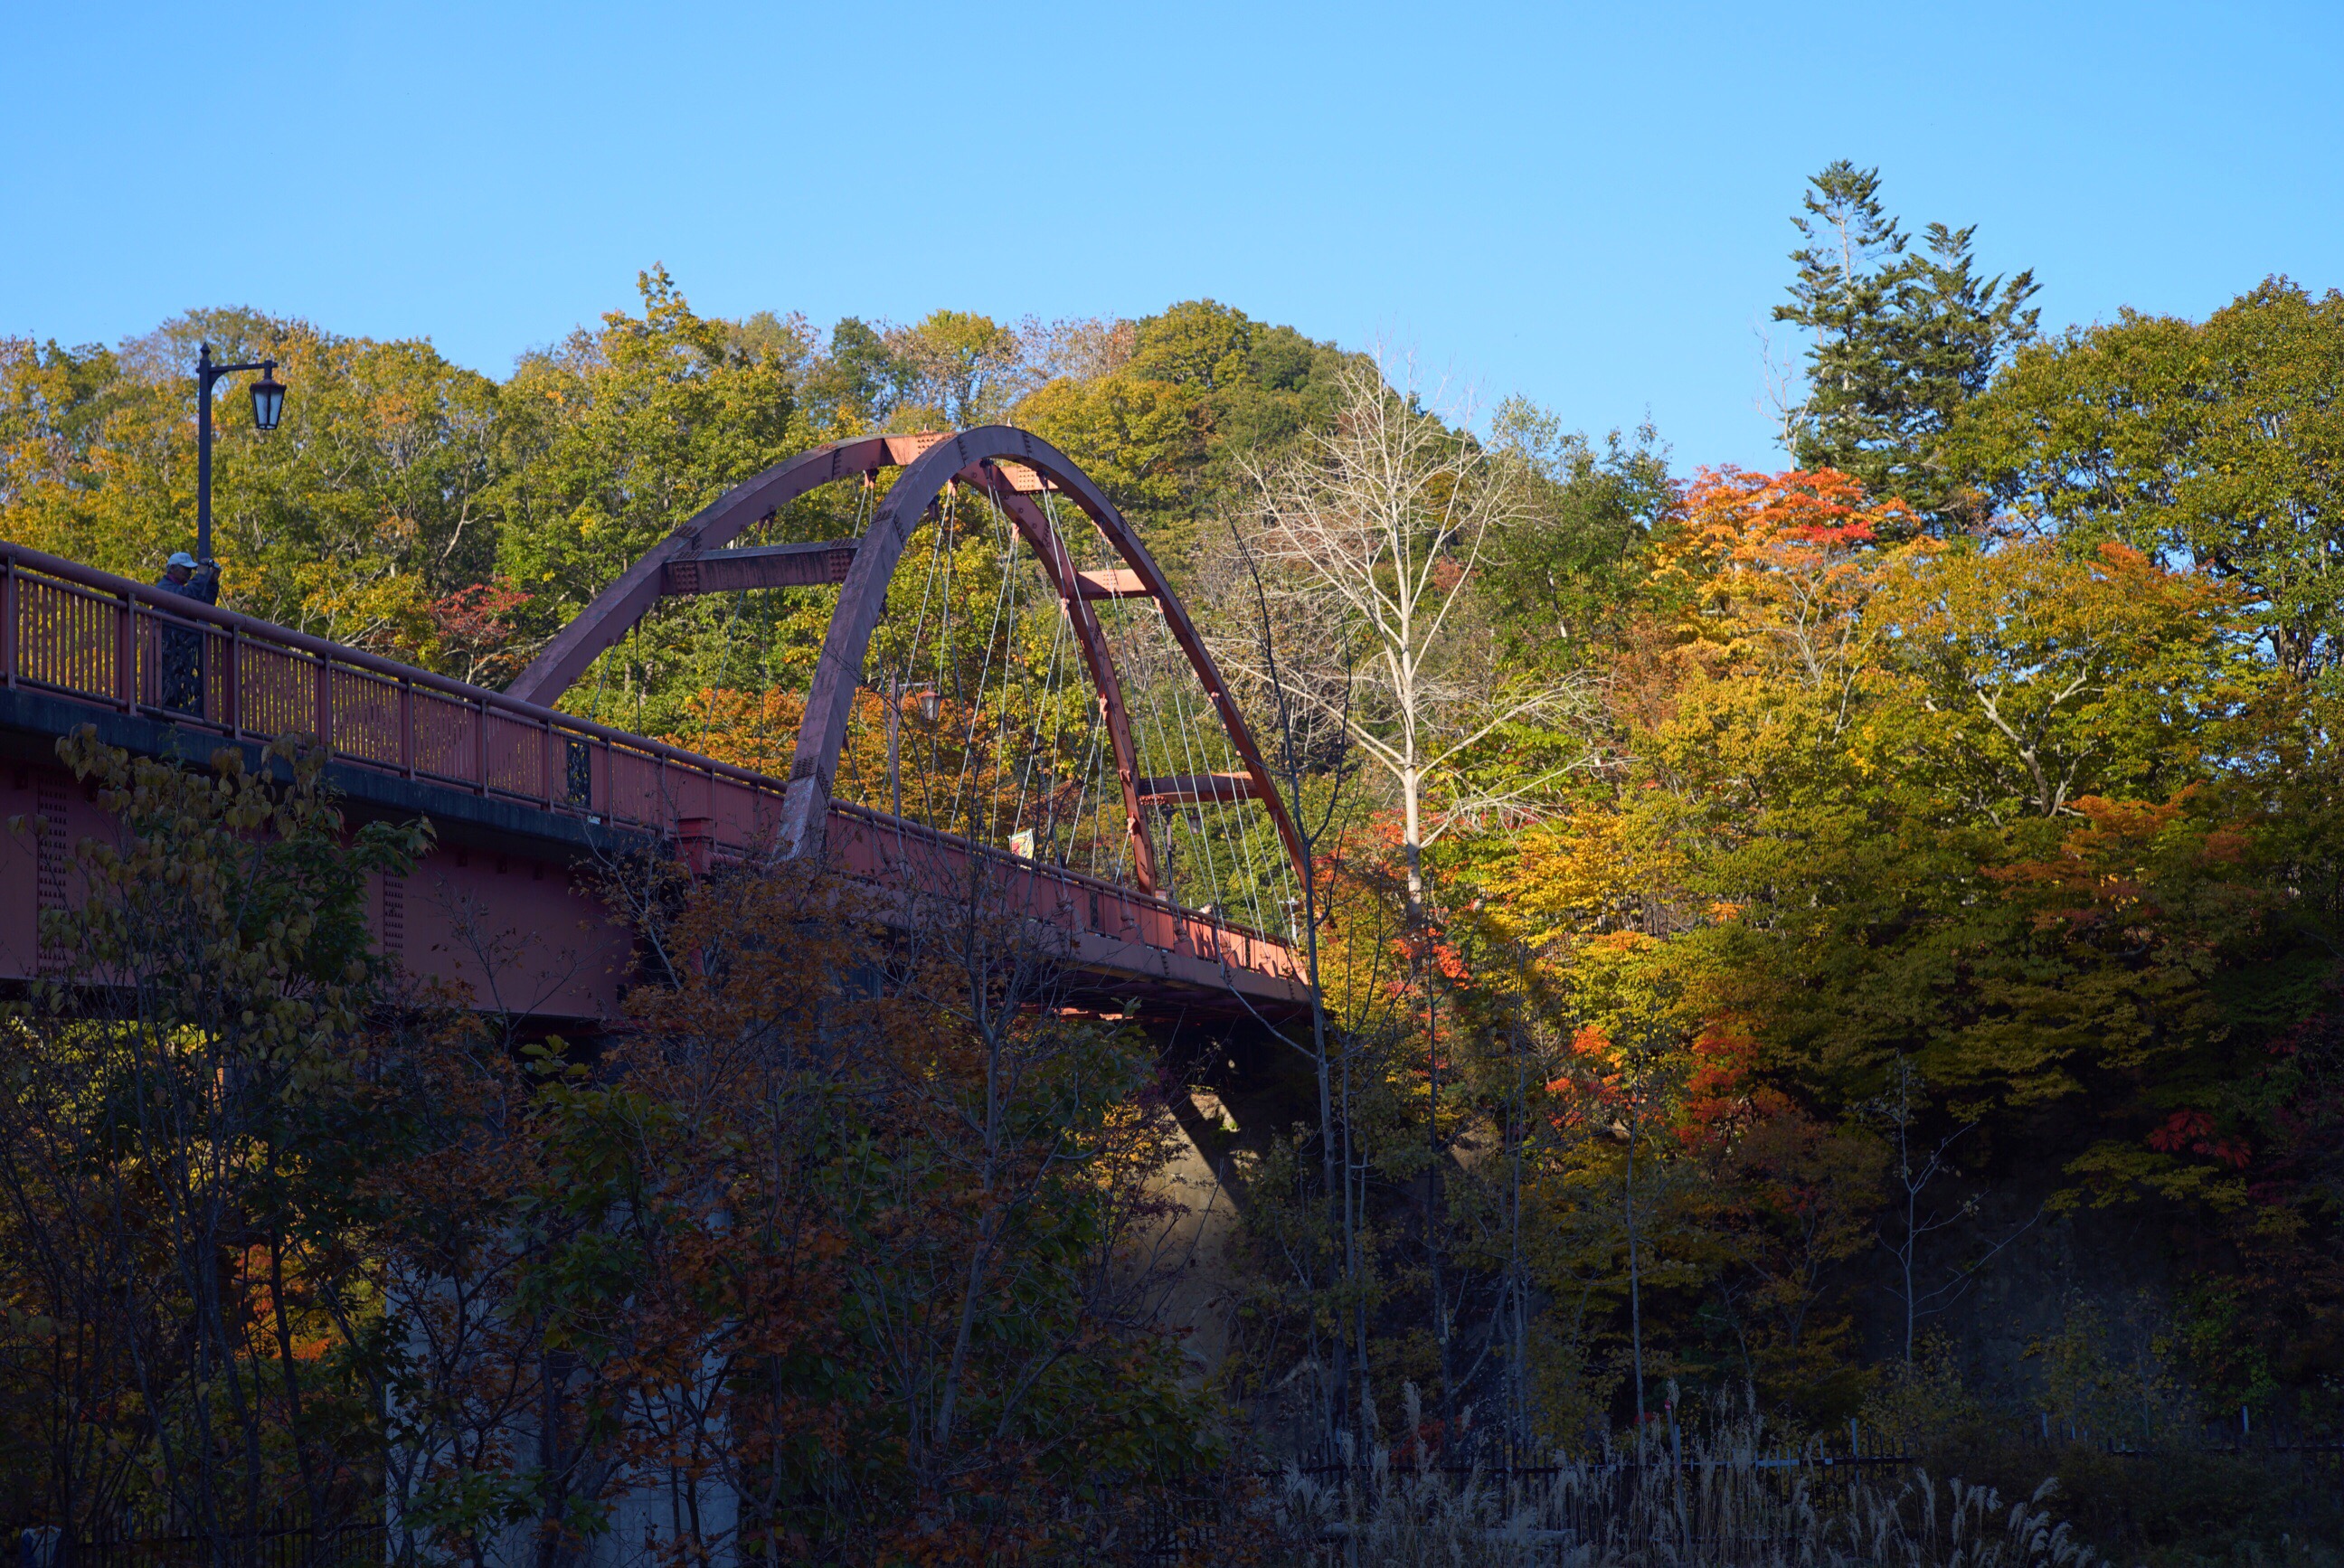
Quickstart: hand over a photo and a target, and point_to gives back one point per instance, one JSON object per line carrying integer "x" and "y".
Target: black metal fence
{"x": 281, "y": 1541}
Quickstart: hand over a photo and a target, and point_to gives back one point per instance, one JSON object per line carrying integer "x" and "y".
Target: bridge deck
{"x": 525, "y": 789}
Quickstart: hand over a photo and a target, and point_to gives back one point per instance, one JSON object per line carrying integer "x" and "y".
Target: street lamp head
{"x": 268, "y": 398}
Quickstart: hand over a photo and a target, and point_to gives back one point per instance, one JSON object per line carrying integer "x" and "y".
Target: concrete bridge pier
{"x": 1236, "y": 1088}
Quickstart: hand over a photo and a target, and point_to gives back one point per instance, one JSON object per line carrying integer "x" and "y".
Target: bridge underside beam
{"x": 507, "y": 908}
{"x": 1113, "y": 948}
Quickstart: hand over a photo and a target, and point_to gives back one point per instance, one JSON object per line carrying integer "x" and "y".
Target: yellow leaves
{"x": 2038, "y": 594}
{"x": 1585, "y": 874}
{"x": 1618, "y": 944}
{"x": 368, "y": 603}
{"x": 1777, "y": 656}
{"x": 750, "y": 729}
{"x": 2007, "y": 677}
{"x": 1128, "y": 434}
{"x": 2114, "y": 1172}
{"x": 2051, "y": 673}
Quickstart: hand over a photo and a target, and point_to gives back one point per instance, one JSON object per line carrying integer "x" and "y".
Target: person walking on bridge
{"x": 181, "y": 665}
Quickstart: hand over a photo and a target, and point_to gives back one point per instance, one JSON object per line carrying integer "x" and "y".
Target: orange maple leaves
{"x": 1736, "y": 525}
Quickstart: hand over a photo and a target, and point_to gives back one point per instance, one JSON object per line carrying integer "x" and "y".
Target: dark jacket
{"x": 203, "y": 587}
{"x": 179, "y": 670}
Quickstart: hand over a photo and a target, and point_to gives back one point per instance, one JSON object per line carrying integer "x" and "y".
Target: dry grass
{"x": 1713, "y": 1513}
{"x": 1727, "y": 1504}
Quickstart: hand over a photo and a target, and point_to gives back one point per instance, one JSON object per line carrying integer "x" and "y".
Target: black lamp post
{"x": 268, "y": 407}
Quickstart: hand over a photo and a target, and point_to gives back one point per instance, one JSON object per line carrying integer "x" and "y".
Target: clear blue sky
{"x": 1586, "y": 204}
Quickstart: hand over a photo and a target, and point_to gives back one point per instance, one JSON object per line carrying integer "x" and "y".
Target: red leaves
{"x": 1814, "y": 506}
{"x": 2101, "y": 865}
{"x": 2180, "y": 1128}
{"x": 475, "y": 625}
{"x": 2122, "y": 871}
{"x": 480, "y": 612}
{"x": 2192, "y": 1131}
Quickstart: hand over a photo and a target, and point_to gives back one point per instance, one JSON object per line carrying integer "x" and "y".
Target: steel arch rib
{"x": 838, "y": 672}
{"x": 615, "y": 611}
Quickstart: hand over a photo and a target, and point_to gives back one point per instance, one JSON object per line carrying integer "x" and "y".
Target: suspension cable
{"x": 723, "y": 664}
{"x": 1002, "y": 597}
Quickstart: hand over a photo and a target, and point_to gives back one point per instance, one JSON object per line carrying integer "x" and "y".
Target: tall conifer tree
{"x": 1901, "y": 339}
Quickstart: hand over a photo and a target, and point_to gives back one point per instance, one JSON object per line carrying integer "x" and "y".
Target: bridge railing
{"x": 103, "y": 641}
{"x": 892, "y": 852}
{"x": 108, "y": 643}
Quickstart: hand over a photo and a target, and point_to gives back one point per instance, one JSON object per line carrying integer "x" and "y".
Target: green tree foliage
{"x": 1206, "y": 391}
{"x": 1198, "y": 343}
{"x": 1973, "y": 811}
{"x": 420, "y": 510}
{"x": 184, "y": 1144}
{"x": 1564, "y": 583}
{"x": 368, "y": 505}
{"x": 961, "y": 369}
{"x": 1261, "y": 385}
{"x": 1898, "y": 341}
{"x": 618, "y": 436}
{"x": 1138, "y": 438}
{"x": 858, "y": 1259}
{"x": 857, "y": 384}
{"x": 2216, "y": 443}
{"x": 280, "y": 1230}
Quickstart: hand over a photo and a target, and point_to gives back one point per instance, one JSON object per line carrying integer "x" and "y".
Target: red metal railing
{"x": 109, "y": 642}
{"x": 892, "y": 852}
{"x": 104, "y": 640}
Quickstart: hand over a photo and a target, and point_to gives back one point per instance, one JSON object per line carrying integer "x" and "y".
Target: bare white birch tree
{"x": 1379, "y": 525}
{"x": 1368, "y": 540}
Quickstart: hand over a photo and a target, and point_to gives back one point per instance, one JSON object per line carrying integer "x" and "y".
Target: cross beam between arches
{"x": 615, "y": 609}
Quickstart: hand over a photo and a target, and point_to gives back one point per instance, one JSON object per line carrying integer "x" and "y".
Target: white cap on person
{"x": 181, "y": 558}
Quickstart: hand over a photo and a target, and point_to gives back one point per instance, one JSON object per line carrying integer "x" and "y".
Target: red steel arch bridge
{"x": 1006, "y": 689}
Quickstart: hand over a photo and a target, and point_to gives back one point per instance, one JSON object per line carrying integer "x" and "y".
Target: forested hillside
{"x": 1867, "y": 938}
{"x": 420, "y": 510}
